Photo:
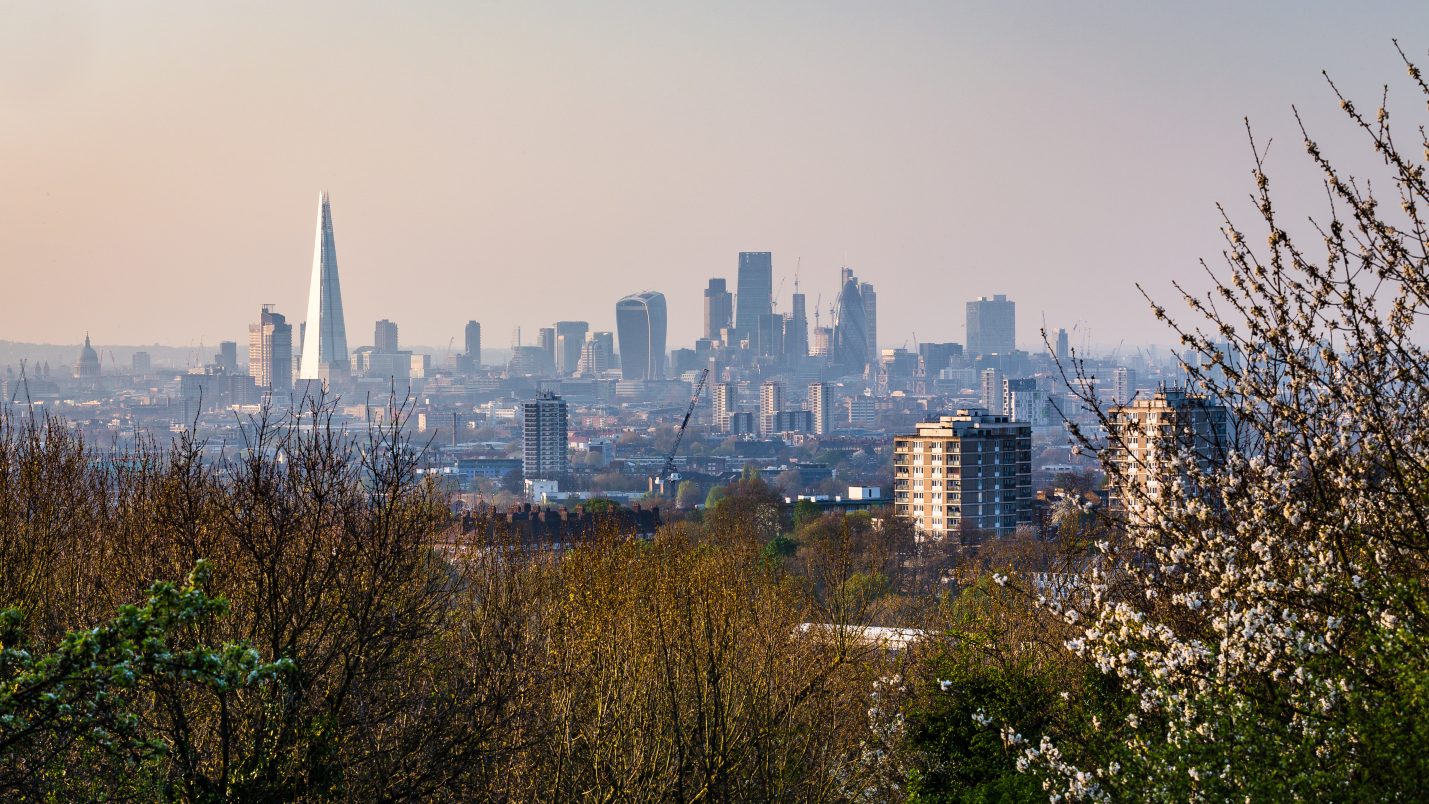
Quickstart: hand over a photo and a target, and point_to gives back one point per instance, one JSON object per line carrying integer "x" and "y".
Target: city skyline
{"x": 917, "y": 157}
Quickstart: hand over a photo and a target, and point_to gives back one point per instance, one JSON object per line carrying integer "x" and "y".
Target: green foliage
{"x": 87, "y": 689}
{"x": 780, "y": 547}
{"x": 600, "y": 505}
{"x": 716, "y": 494}
{"x": 805, "y": 511}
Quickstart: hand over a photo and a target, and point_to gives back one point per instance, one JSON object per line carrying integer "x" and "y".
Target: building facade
{"x": 719, "y": 309}
{"x": 771, "y": 401}
{"x": 640, "y": 320}
{"x": 964, "y": 476}
{"x": 755, "y": 291}
{"x": 270, "y": 351}
{"x": 570, "y": 338}
{"x": 544, "y": 438}
{"x": 325, "y": 354}
{"x": 819, "y": 407}
{"x": 991, "y": 326}
{"x": 1147, "y": 433}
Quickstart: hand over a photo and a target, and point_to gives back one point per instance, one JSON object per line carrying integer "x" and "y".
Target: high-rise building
{"x": 1064, "y": 347}
{"x": 771, "y": 401}
{"x": 1144, "y": 435}
{"x": 823, "y": 345}
{"x": 544, "y": 438}
{"x": 870, "y": 319}
{"x": 719, "y": 308}
{"x": 819, "y": 407}
{"x": 722, "y": 403}
{"x": 861, "y": 411}
{"x": 270, "y": 351}
{"x": 640, "y": 319}
{"x": 991, "y": 391}
{"x": 796, "y": 327}
{"x": 850, "y": 346}
{"x": 325, "y": 354}
{"x": 227, "y": 357}
{"x": 384, "y": 337}
{"x": 140, "y": 363}
{"x": 992, "y": 326}
{"x": 473, "y": 345}
{"x": 934, "y": 357}
{"x": 1123, "y": 385}
{"x": 756, "y": 291}
{"x": 964, "y": 475}
{"x": 768, "y": 337}
{"x": 1016, "y": 389}
{"x": 595, "y": 356}
{"x": 546, "y": 340}
{"x": 570, "y": 338}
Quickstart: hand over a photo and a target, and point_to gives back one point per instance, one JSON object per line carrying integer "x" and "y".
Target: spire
{"x": 325, "y": 339}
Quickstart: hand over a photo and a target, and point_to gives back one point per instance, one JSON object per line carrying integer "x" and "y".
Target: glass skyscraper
{"x": 755, "y": 296}
{"x": 640, "y": 322}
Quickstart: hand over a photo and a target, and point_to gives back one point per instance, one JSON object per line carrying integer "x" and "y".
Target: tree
{"x": 84, "y": 698}
{"x": 1265, "y": 613}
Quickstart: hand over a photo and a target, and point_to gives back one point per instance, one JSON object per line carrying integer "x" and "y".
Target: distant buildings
{"x": 640, "y": 320}
{"x": 384, "y": 337}
{"x": 325, "y": 354}
{"x": 819, "y": 407}
{"x": 756, "y": 291}
{"x": 991, "y": 326}
{"x": 86, "y": 366}
{"x": 570, "y": 339}
{"x": 719, "y": 309}
{"x": 796, "y": 327}
{"x": 850, "y": 352}
{"x": 964, "y": 475}
{"x": 722, "y": 401}
{"x": 771, "y": 401}
{"x": 473, "y": 346}
{"x": 544, "y": 438}
{"x": 270, "y": 351}
{"x": 140, "y": 363}
{"x": 1149, "y": 431}
{"x": 1123, "y": 385}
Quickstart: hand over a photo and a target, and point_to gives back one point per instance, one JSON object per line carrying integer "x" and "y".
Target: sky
{"x": 519, "y": 163}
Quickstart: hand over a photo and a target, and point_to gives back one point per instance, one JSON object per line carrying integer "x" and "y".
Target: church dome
{"x": 88, "y": 363}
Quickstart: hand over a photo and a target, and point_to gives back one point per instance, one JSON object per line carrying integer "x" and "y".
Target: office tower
{"x": 870, "y": 319}
{"x": 607, "y": 343}
{"x": 771, "y": 401}
{"x": 990, "y": 391}
{"x": 140, "y": 363}
{"x": 934, "y": 357}
{"x": 270, "y": 351}
{"x": 227, "y": 357}
{"x": 1064, "y": 347}
{"x": 595, "y": 357}
{"x": 992, "y": 326}
{"x": 1147, "y": 434}
{"x": 964, "y": 475}
{"x": 756, "y": 291}
{"x": 86, "y": 366}
{"x": 722, "y": 402}
{"x": 384, "y": 338}
{"x": 796, "y": 327}
{"x": 850, "y": 346}
{"x": 640, "y": 320}
{"x": 546, "y": 340}
{"x": 719, "y": 307}
{"x": 819, "y": 407}
{"x": 1123, "y": 385}
{"x": 768, "y": 337}
{"x": 325, "y": 352}
{"x": 473, "y": 345}
{"x": 544, "y": 438}
{"x": 570, "y": 338}
{"x": 823, "y": 345}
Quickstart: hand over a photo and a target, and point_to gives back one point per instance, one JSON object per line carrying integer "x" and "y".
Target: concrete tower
{"x": 325, "y": 336}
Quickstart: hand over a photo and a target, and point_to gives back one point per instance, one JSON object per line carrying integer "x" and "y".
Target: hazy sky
{"x": 519, "y": 163}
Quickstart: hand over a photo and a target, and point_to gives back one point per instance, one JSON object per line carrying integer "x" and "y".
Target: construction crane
{"x": 667, "y": 472}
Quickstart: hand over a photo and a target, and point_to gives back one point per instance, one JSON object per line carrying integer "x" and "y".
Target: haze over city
{"x": 520, "y": 164}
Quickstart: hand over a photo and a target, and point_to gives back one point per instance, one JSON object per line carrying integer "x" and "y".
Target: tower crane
{"x": 667, "y": 472}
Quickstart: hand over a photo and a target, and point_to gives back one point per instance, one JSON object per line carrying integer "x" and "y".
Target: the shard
{"x": 325, "y": 354}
